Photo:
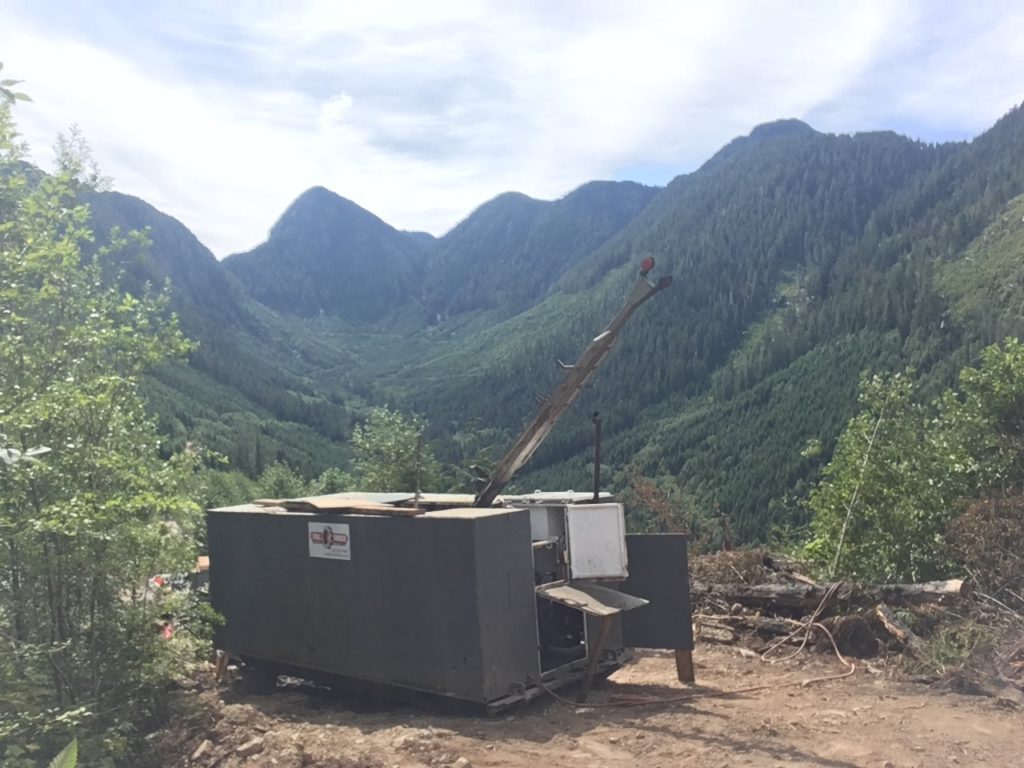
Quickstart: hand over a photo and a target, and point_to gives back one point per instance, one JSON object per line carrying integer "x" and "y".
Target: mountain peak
{"x": 778, "y": 128}
{"x": 317, "y": 191}
{"x": 317, "y": 197}
{"x": 318, "y": 207}
{"x": 328, "y": 255}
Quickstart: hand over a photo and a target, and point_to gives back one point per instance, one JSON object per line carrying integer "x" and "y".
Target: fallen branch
{"x": 898, "y": 629}
{"x": 759, "y": 624}
{"x": 710, "y": 630}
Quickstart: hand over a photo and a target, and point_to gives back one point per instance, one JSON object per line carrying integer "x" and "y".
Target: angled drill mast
{"x": 576, "y": 376}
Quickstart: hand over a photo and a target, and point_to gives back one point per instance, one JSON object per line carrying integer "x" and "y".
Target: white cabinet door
{"x": 597, "y": 541}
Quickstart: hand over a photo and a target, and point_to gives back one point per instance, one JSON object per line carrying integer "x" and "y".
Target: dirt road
{"x": 864, "y": 720}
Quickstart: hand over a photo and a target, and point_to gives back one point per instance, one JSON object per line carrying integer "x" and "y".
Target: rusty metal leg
{"x": 684, "y": 666}
{"x": 595, "y": 652}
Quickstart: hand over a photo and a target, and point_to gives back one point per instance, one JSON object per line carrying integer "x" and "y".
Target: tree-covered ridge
{"x": 507, "y": 254}
{"x": 328, "y": 256}
{"x": 800, "y": 260}
{"x": 249, "y": 390}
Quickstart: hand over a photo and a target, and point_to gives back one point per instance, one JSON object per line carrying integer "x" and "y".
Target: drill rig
{"x": 486, "y": 601}
{"x": 576, "y": 375}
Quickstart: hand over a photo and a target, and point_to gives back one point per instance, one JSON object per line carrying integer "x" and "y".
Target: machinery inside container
{"x": 562, "y": 635}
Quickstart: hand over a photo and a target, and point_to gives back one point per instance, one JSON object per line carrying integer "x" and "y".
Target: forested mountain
{"x": 328, "y": 256}
{"x": 765, "y": 131}
{"x": 247, "y": 392}
{"x": 507, "y": 254}
{"x": 801, "y": 259}
{"x": 985, "y": 287}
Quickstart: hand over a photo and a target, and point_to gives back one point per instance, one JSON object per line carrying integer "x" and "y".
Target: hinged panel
{"x": 659, "y": 572}
{"x": 590, "y": 598}
{"x": 597, "y": 541}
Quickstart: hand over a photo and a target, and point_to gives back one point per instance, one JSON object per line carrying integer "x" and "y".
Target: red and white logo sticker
{"x": 330, "y": 540}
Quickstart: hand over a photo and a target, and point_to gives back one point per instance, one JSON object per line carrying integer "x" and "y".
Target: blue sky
{"x": 221, "y": 113}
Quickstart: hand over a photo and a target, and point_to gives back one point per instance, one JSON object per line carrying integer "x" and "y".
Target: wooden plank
{"x": 684, "y": 666}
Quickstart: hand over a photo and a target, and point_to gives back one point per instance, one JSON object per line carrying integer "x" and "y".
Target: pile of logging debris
{"x": 768, "y": 600}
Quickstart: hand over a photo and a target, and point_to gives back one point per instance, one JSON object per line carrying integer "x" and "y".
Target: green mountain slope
{"x": 248, "y": 390}
{"x": 507, "y": 253}
{"x": 800, "y": 259}
{"x": 985, "y": 286}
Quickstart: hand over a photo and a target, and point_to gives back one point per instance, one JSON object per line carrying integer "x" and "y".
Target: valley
{"x": 801, "y": 259}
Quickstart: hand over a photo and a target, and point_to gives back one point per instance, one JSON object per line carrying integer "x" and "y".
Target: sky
{"x": 222, "y": 113}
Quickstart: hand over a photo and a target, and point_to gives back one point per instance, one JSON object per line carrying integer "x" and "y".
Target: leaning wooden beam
{"x": 898, "y": 629}
{"x": 809, "y": 596}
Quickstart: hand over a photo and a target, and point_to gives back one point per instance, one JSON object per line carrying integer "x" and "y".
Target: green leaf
{"x": 22, "y": 96}
{"x": 8, "y": 83}
{"x": 67, "y": 757}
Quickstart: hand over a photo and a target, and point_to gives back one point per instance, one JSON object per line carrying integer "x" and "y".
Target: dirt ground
{"x": 864, "y": 720}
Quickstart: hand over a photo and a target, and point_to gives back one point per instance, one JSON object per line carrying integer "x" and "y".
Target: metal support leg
{"x": 595, "y": 658}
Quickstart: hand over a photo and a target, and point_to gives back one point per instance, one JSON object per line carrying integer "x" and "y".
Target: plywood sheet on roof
{"x": 467, "y": 513}
{"x": 455, "y": 499}
{"x": 252, "y": 507}
{"x": 379, "y": 498}
{"x": 332, "y": 503}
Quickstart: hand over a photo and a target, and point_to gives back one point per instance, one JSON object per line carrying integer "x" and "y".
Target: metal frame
{"x": 568, "y": 390}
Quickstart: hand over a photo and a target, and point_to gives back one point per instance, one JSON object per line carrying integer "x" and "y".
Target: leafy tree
{"x": 85, "y": 526}
{"x": 7, "y": 95}
{"x": 875, "y": 510}
{"x": 220, "y": 488}
{"x": 73, "y": 158}
{"x": 331, "y": 480}
{"x": 389, "y": 454}
{"x": 983, "y": 427}
{"x": 902, "y": 471}
{"x": 279, "y": 481}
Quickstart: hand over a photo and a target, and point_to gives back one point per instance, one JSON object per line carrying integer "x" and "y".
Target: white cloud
{"x": 332, "y": 111}
{"x": 420, "y": 112}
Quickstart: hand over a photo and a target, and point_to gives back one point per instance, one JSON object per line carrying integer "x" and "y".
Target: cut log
{"x": 928, "y": 593}
{"x": 808, "y": 596}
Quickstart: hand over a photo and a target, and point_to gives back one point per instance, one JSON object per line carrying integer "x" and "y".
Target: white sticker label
{"x": 330, "y": 540}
